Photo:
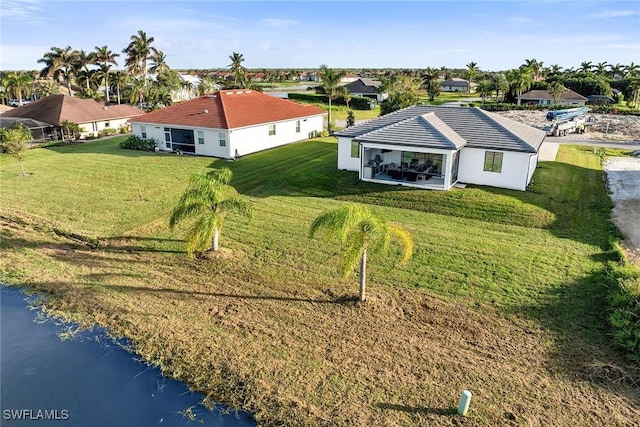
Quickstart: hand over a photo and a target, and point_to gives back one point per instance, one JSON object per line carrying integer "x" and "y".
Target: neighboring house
{"x": 229, "y": 123}
{"x": 543, "y": 97}
{"x": 367, "y": 88}
{"x": 436, "y": 147}
{"x": 600, "y": 99}
{"x": 90, "y": 115}
{"x": 457, "y": 84}
{"x": 40, "y": 131}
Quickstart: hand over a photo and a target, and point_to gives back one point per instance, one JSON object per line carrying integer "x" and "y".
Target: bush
{"x": 136, "y": 143}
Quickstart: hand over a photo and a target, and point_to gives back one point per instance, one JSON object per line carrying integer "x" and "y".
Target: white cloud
{"x": 21, "y": 10}
{"x": 613, "y": 14}
{"x": 278, "y": 23}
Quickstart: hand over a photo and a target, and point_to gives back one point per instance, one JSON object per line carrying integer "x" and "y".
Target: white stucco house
{"x": 229, "y": 123}
{"x": 437, "y": 147}
{"x": 544, "y": 97}
{"x": 456, "y": 84}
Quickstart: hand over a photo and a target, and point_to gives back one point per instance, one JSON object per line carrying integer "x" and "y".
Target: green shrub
{"x": 136, "y": 143}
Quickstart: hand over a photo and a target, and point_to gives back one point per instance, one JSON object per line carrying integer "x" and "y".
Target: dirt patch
{"x": 623, "y": 179}
{"x": 608, "y": 127}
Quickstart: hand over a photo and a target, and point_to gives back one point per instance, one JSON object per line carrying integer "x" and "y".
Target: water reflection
{"x": 86, "y": 380}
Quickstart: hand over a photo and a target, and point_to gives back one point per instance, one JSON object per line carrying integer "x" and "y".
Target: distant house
{"x": 600, "y": 99}
{"x": 457, "y": 84}
{"x": 367, "y": 88}
{"x": 90, "y": 115}
{"x": 229, "y": 123}
{"x": 437, "y": 147}
{"x": 543, "y": 97}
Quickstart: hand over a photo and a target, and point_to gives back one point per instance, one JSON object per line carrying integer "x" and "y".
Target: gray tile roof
{"x": 363, "y": 85}
{"x": 567, "y": 95}
{"x": 478, "y": 128}
{"x": 425, "y": 130}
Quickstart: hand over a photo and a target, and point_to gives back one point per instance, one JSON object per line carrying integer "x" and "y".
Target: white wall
{"x": 514, "y": 175}
{"x": 256, "y": 138}
{"x": 345, "y": 161}
{"x": 92, "y": 128}
{"x": 245, "y": 140}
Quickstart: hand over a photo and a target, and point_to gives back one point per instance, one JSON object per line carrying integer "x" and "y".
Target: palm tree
{"x": 105, "y": 58}
{"x": 586, "y": 66}
{"x": 208, "y": 199}
{"x": 59, "y": 63}
{"x": 159, "y": 62}
{"x": 601, "y": 68}
{"x": 484, "y": 89}
{"x": 47, "y": 88}
{"x": 631, "y": 70}
{"x": 81, "y": 61}
{"x": 359, "y": 230}
{"x": 17, "y": 84}
{"x": 499, "y": 84}
{"x": 616, "y": 71}
{"x": 120, "y": 78}
{"x": 236, "y": 67}
{"x": 472, "y": 72}
{"x": 431, "y": 79}
{"x": 331, "y": 86}
{"x": 139, "y": 51}
{"x": 534, "y": 65}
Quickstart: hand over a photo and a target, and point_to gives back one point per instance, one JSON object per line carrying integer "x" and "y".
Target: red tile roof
{"x": 55, "y": 109}
{"x": 230, "y": 109}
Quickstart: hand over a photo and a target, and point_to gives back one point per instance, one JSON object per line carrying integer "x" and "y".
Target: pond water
{"x": 87, "y": 380}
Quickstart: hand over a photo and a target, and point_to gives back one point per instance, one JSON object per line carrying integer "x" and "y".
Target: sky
{"x": 497, "y": 35}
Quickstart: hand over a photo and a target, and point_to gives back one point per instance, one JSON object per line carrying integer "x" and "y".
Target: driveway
{"x": 623, "y": 180}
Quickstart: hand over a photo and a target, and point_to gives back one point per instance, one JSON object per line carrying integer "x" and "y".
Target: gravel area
{"x": 608, "y": 127}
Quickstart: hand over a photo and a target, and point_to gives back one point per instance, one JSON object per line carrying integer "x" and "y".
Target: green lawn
{"x": 505, "y": 287}
{"x": 100, "y": 190}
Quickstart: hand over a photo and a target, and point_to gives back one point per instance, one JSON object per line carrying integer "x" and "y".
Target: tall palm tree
{"x": 59, "y": 62}
{"x": 601, "y": 68}
{"x": 631, "y": 70}
{"x": 236, "y": 67}
{"x": 208, "y": 199}
{"x": 431, "y": 82}
{"x": 359, "y": 231}
{"x": 139, "y": 51}
{"x": 330, "y": 86}
{"x": 472, "y": 72}
{"x": 616, "y": 71}
{"x": 81, "y": 62}
{"x": 17, "y": 84}
{"x": 105, "y": 58}
{"x": 586, "y": 66}
{"x": 499, "y": 84}
{"x": 120, "y": 78}
{"x": 159, "y": 62}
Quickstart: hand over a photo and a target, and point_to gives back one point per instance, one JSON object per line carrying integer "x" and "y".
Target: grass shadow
{"x": 448, "y": 412}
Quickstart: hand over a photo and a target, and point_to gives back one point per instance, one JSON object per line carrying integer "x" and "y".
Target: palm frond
{"x": 199, "y": 236}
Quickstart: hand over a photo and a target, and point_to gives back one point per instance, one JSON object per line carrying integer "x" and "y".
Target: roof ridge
{"x": 435, "y": 128}
{"x": 218, "y": 95}
{"x": 390, "y": 125}
{"x": 493, "y": 119}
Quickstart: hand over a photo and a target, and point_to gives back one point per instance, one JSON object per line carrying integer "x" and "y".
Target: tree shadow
{"x": 166, "y": 290}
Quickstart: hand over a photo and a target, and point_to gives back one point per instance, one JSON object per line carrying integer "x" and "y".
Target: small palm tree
{"x": 331, "y": 86}
{"x": 236, "y": 67}
{"x": 359, "y": 230}
{"x": 208, "y": 199}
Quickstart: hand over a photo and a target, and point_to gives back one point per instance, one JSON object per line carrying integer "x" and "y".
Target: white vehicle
{"x": 568, "y": 121}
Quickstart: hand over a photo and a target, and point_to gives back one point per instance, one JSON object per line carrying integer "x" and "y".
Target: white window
{"x": 222, "y": 138}
{"x": 200, "y": 137}
{"x": 272, "y": 130}
{"x": 143, "y": 131}
{"x": 297, "y": 126}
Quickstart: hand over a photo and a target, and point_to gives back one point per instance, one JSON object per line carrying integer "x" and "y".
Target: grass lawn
{"x": 503, "y": 297}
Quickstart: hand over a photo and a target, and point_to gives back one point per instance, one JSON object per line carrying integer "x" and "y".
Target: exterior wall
{"x": 453, "y": 88}
{"x": 516, "y": 168}
{"x": 533, "y": 163}
{"x": 92, "y": 128}
{"x": 256, "y": 138}
{"x": 245, "y": 140}
{"x": 345, "y": 161}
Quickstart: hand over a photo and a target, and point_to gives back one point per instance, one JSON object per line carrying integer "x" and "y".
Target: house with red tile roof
{"x": 90, "y": 115}
{"x": 229, "y": 123}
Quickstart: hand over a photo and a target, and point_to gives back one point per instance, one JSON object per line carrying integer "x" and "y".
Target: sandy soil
{"x": 623, "y": 179}
{"x": 608, "y": 127}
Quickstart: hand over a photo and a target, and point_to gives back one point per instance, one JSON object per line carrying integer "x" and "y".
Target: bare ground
{"x": 297, "y": 355}
{"x": 623, "y": 180}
